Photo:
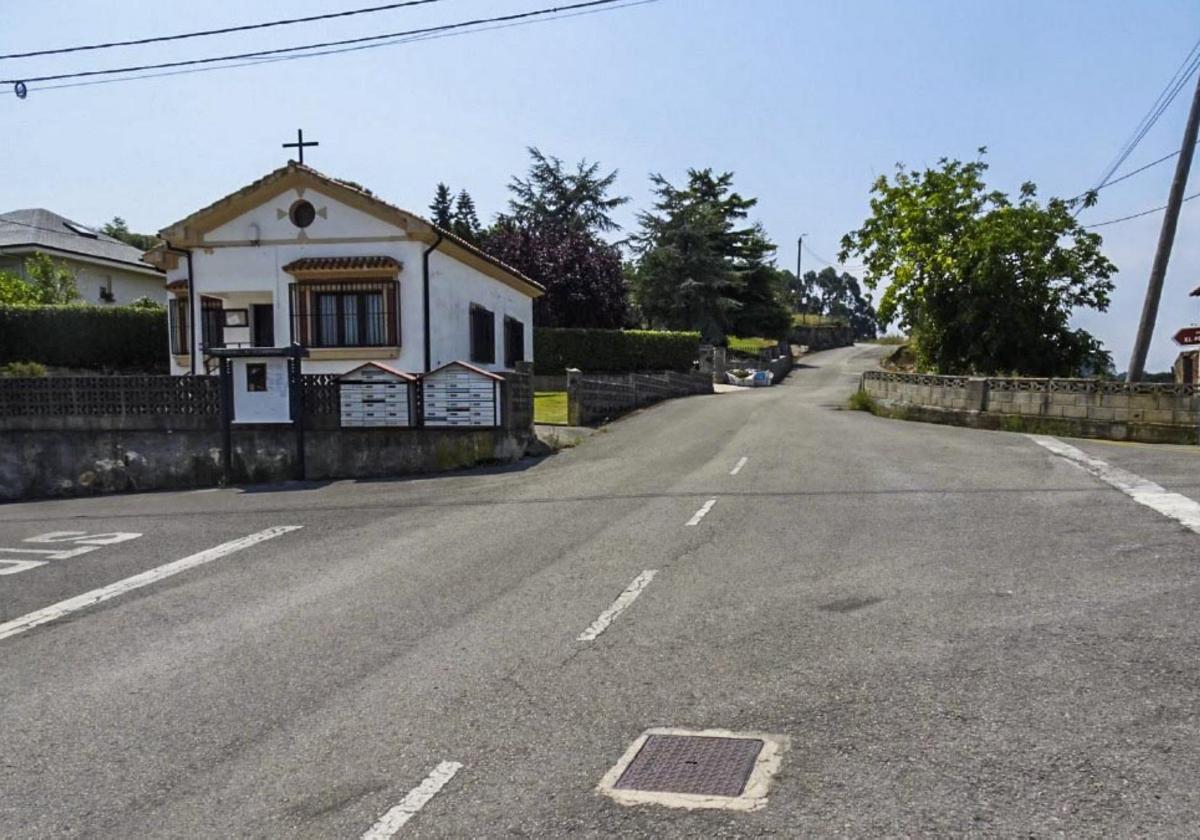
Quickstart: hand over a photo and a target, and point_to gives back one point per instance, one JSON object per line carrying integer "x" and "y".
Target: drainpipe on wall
{"x": 425, "y": 291}
{"x": 191, "y": 287}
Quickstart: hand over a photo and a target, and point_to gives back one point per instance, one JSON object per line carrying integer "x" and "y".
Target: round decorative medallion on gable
{"x": 302, "y": 213}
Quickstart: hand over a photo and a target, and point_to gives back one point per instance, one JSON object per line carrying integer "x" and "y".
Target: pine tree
{"x": 465, "y": 224}
{"x": 553, "y": 194}
{"x": 441, "y": 212}
{"x": 701, "y": 264}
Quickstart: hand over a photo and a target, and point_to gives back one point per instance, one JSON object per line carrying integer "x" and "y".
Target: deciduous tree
{"x": 52, "y": 282}
{"x": 552, "y": 234}
{"x": 983, "y": 283}
{"x": 118, "y": 229}
{"x": 582, "y": 273}
{"x": 839, "y": 296}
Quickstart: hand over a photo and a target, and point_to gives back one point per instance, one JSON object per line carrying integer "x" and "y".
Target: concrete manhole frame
{"x": 752, "y": 797}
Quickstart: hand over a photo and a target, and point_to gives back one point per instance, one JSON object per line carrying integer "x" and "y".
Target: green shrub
{"x": 23, "y": 370}
{"x": 861, "y": 401}
{"x": 92, "y": 337}
{"x": 612, "y": 351}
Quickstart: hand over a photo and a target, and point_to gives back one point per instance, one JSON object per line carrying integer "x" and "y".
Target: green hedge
{"x": 123, "y": 338}
{"x": 612, "y": 351}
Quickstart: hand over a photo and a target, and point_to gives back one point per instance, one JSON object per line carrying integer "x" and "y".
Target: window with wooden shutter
{"x": 514, "y": 342}
{"x": 483, "y": 335}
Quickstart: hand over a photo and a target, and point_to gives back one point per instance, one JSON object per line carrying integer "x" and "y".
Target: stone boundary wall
{"x": 592, "y": 397}
{"x": 816, "y": 337}
{"x": 780, "y": 368}
{"x": 48, "y": 455}
{"x": 1090, "y": 407}
{"x": 46, "y": 464}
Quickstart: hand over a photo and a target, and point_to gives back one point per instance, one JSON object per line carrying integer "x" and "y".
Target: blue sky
{"x": 806, "y": 102}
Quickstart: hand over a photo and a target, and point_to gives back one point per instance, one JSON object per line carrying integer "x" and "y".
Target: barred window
{"x": 212, "y": 324}
{"x": 177, "y": 323}
{"x": 483, "y": 335}
{"x": 359, "y": 314}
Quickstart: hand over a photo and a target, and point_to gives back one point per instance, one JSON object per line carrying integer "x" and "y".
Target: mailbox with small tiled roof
{"x": 375, "y": 395}
{"x": 461, "y": 395}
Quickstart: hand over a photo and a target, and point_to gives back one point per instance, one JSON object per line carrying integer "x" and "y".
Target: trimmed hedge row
{"x": 93, "y": 337}
{"x": 612, "y": 351}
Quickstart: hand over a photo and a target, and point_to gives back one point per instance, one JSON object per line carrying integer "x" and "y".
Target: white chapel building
{"x": 301, "y": 258}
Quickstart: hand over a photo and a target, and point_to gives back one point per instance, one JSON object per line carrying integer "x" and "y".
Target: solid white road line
{"x": 104, "y": 593}
{"x": 738, "y": 467}
{"x": 1142, "y": 491}
{"x": 700, "y": 514}
{"x": 393, "y": 820}
{"x": 618, "y": 606}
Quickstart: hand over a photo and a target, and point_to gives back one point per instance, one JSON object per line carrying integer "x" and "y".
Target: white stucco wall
{"x": 127, "y": 284}
{"x": 453, "y": 287}
{"x": 240, "y": 273}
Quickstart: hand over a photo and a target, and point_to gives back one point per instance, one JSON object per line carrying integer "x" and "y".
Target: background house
{"x": 301, "y": 257}
{"x": 107, "y": 271}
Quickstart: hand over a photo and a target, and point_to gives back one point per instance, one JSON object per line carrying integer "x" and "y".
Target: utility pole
{"x": 1166, "y": 238}
{"x": 799, "y": 281}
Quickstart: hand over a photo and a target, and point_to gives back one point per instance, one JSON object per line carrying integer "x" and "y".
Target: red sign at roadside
{"x": 1188, "y": 336}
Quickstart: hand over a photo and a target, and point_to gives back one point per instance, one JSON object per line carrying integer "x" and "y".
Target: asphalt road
{"x": 960, "y": 632}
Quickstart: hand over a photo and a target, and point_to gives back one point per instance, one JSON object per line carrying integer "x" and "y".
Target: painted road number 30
{"x": 72, "y": 544}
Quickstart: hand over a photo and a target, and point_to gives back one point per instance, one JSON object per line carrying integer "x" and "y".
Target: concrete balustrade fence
{"x": 1154, "y": 412}
{"x": 82, "y": 435}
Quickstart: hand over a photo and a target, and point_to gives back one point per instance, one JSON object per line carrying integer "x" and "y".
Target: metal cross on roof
{"x": 300, "y": 144}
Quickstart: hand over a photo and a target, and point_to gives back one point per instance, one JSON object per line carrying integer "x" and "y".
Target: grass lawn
{"x": 750, "y": 346}
{"x": 804, "y": 319}
{"x": 550, "y": 407}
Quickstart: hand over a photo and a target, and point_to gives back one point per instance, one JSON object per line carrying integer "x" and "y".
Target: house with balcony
{"x": 299, "y": 257}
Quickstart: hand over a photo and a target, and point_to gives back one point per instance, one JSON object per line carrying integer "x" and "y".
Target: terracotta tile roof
{"x": 470, "y": 367}
{"x": 342, "y": 264}
{"x": 405, "y": 375}
{"x": 175, "y": 285}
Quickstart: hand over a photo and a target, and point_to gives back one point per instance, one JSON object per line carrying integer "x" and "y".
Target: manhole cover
{"x": 692, "y": 764}
{"x": 711, "y": 768}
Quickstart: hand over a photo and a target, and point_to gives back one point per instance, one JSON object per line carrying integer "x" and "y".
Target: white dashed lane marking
{"x": 394, "y": 819}
{"x": 703, "y": 512}
{"x": 104, "y": 593}
{"x": 618, "y": 606}
{"x": 1141, "y": 490}
{"x": 738, "y": 466}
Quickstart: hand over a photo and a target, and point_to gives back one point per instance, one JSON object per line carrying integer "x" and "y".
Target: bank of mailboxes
{"x": 454, "y": 395}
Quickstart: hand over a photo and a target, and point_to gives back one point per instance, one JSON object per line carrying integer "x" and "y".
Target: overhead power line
{"x": 823, "y": 261}
{"x": 1137, "y": 171}
{"x": 1176, "y": 83}
{"x": 447, "y": 27}
{"x": 1139, "y": 215}
{"x": 222, "y": 31}
{"x": 314, "y": 54}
